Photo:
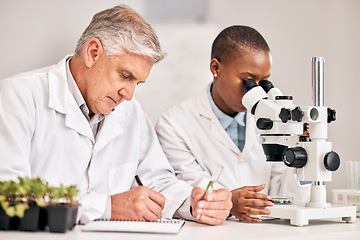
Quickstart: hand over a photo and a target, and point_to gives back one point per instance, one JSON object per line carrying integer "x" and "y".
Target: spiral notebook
{"x": 169, "y": 226}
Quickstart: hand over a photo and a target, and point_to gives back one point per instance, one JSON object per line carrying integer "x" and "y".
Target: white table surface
{"x": 232, "y": 229}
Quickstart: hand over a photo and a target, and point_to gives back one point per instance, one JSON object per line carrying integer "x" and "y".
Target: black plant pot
{"x": 43, "y": 218}
{"x": 74, "y": 211}
{"x": 30, "y": 221}
{"x": 14, "y": 223}
{"x": 60, "y": 218}
{"x": 4, "y": 220}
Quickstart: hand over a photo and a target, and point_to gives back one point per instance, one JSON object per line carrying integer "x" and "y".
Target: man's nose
{"x": 127, "y": 92}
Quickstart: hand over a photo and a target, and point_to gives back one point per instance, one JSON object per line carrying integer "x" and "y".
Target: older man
{"x": 68, "y": 123}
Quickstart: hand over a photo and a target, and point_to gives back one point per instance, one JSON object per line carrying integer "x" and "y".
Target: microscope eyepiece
{"x": 266, "y": 85}
{"x": 248, "y": 85}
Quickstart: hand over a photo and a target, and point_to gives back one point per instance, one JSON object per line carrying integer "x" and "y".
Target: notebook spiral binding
{"x": 127, "y": 220}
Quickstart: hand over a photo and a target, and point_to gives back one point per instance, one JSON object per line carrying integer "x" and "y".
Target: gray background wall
{"x": 37, "y": 33}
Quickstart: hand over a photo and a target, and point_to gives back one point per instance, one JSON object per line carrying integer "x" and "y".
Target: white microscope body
{"x": 280, "y": 124}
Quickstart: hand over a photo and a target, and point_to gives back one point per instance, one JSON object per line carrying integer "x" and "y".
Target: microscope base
{"x": 300, "y": 215}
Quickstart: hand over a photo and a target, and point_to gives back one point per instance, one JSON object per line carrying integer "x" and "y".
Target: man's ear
{"x": 214, "y": 67}
{"x": 93, "y": 50}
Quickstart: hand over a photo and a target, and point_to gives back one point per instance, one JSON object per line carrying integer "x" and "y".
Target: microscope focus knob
{"x": 297, "y": 114}
{"x": 295, "y": 157}
{"x": 285, "y": 115}
{"x": 331, "y": 115}
{"x": 264, "y": 124}
{"x": 332, "y": 161}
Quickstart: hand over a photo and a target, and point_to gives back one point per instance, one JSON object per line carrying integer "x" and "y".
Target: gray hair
{"x": 121, "y": 28}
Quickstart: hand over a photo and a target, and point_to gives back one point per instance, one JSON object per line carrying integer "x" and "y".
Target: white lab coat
{"x": 196, "y": 143}
{"x": 45, "y": 134}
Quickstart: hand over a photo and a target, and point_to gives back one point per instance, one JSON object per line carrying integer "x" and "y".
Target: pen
{"x": 210, "y": 185}
{"x": 138, "y": 180}
{"x": 214, "y": 179}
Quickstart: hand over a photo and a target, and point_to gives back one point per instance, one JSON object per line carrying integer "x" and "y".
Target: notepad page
{"x": 161, "y": 226}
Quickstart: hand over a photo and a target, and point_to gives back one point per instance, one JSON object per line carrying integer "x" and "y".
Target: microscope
{"x": 280, "y": 124}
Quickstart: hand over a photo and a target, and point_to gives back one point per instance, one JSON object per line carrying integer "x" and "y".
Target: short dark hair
{"x": 235, "y": 39}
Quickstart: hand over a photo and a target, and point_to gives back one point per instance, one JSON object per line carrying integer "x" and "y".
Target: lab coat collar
{"x": 215, "y": 128}
{"x": 111, "y": 127}
{"x": 207, "y": 114}
{"x": 58, "y": 87}
{"x": 62, "y": 101}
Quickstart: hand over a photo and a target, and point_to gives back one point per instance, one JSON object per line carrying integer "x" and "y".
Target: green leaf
{"x": 22, "y": 190}
{"x": 5, "y": 205}
{"x": 10, "y": 211}
{"x": 41, "y": 203}
{"x": 20, "y": 209}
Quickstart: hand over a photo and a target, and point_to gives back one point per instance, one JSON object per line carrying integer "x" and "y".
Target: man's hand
{"x": 140, "y": 203}
{"x": 213, "y": 209}
{"x": 246, "y": 200}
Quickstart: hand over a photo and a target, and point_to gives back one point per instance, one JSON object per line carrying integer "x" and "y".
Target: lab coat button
{"x": 241, "y": 161}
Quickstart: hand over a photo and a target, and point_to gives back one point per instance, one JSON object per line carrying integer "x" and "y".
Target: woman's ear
{"x": 214, "y": 67}
{"x": 93, "y": 50}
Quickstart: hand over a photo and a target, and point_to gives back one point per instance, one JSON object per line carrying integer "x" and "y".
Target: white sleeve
{"x": 277, "y": 179}
{"x": 184, "y": 211}
{"x": 283, "y": 182}
{"x": 17, "y": 121}
{"x": 292, "y": 187}
{"x": 93, "y": 205}
{"x": 156, "y": 172}
{"x": 183, "y": 161}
